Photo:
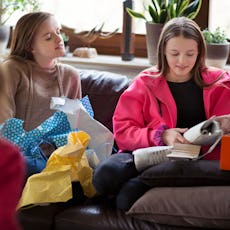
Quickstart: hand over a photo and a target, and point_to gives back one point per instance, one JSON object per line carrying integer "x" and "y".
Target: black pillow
{"x": 185, "y": 173}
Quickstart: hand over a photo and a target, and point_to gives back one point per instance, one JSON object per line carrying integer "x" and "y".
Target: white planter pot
{"x": 217, "y": 55}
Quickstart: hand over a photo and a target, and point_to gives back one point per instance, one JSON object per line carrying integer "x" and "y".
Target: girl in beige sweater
{"x": 32, "y": 73}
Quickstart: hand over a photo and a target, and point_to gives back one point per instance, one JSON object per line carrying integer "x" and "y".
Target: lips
{"x": 61, "y": 46}
{"x": 181, "y": 67}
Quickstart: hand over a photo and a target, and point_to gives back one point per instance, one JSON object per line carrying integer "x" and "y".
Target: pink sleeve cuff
{"x": 158, "y": 140}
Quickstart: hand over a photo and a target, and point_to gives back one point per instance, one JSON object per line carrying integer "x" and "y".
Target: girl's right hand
{"x": 174, "y": 135}
{"x": 224, "y": 123}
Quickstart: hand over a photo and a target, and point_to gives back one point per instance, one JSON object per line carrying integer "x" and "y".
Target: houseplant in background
{"x": 65, "y": 38}
{"x": 7, "y": 9}
{"x": 217, "y": 47}
{"x": 157, "y": 13}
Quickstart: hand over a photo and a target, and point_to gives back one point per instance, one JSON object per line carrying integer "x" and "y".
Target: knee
{"x": 131, "y": 191}
{"x": 110, "y": 175}
{"x": 104, "y": 175}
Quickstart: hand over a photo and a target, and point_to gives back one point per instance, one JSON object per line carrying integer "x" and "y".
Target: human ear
{"x": 29, "y": 48}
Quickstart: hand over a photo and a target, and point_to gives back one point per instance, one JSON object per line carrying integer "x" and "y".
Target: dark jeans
{"x": 118, "y": 176}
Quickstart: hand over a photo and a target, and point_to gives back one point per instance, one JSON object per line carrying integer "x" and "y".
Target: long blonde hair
{"x": 187, "y": 28}
{"x": 24, "y": 33}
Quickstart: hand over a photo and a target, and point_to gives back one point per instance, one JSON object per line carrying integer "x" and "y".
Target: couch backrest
{"x": 104, "y": 90}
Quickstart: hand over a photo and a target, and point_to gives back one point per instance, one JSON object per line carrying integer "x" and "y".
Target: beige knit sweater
{"x": 31, "y": 87}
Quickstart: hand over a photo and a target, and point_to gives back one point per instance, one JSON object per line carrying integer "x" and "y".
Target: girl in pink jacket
{"x": 155, "y": 111}
{"x": 161, "y": 104}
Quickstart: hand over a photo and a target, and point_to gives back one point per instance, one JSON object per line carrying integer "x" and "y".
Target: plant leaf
{"x": 163, "y": 16}
{"x": 163, "y": 4}
{"x": 156, "y": 6}
{"x": 153, "y": 13}
{"x": 178, "y": 5}
{"x": 193, "y": 9}
{"x": 217, "y": 36}
{"x": 171, "y": 10}
{"x": 135, "y": 14}
{"x": 183, "y": 7}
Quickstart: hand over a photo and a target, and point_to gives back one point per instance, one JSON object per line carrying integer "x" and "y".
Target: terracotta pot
{"x": 153, "y": 31}
{"x": 4, "y": 38}
{"x": 217, "y": 55}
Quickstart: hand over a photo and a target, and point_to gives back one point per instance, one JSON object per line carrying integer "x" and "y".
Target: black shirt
{"x": 189, "y": 101}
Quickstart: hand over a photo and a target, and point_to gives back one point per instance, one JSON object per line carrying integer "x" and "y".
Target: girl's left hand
{"x": 174, "y": 135}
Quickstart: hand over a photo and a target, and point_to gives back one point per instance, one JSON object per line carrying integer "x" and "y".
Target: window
{"x": 86, "y": 14}
{"x": 219, "y": 15}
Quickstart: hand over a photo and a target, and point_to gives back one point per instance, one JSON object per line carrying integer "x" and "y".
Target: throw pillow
{"x": 185, "y": 173}
{"x": 206, "y": 207}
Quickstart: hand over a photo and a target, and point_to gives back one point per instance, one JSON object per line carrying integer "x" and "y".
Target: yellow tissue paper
{"x": 66, "y": 164}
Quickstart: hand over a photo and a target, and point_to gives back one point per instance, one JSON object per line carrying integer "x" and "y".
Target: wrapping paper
{"x": 67, "y": 164}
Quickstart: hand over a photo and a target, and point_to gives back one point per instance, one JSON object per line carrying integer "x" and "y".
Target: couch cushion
{"x": 100, "y": 213}
{"x": 185, "y": 173}
{"x": 104, "y": 90}
{"x": 207, "y": 207}
{"x": 39, "y": 217}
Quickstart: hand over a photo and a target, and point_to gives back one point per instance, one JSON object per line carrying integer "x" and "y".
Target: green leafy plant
{"x": 218, "y": 36}
{"x": 65, "y": 37}
{"x": 160, "y": 11}
{"x": 9, "y": 7}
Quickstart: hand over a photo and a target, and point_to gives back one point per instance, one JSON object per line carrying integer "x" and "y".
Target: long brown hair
{"x": 187, "y": 28}
{"x": 3, "y": 87}
{"x": 24, "y": 32}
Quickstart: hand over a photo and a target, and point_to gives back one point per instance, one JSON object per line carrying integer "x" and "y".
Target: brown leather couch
{"x": 100, "y": 213}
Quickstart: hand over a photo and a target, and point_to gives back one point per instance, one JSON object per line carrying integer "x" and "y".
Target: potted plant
{"x": 7, "y": 9}
{"x": 65, "y": 38}
{"x": 217, "y": 47}
{"x": 158, "y": 13}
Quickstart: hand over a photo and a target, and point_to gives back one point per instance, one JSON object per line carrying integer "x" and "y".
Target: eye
{"x": 174, "y": 54}
{"x": 190, "y": 54}
{"x": 58, "y": 31}
{"x": 48, "y": 37}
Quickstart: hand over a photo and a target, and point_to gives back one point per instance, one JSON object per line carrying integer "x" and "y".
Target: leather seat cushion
{"x": 98, "y": 213}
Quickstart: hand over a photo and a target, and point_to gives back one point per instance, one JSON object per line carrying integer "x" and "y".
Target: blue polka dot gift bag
{"x": 36, "y": 145}
{"x": 52, "y": 133}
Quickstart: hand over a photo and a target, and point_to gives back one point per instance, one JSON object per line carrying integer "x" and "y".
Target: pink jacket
{"x": 147, "y": 108}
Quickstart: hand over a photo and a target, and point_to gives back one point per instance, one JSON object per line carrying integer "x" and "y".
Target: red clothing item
{"x": 147, "y": 108}
{"x": 11, "y": 180}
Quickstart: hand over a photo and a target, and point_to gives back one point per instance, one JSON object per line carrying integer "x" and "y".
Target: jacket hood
{"x": 209, "y": 75}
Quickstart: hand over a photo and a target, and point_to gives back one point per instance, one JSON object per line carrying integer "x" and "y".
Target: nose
{"x": 58, "y": 38}
{"x": 181, "y": 59}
